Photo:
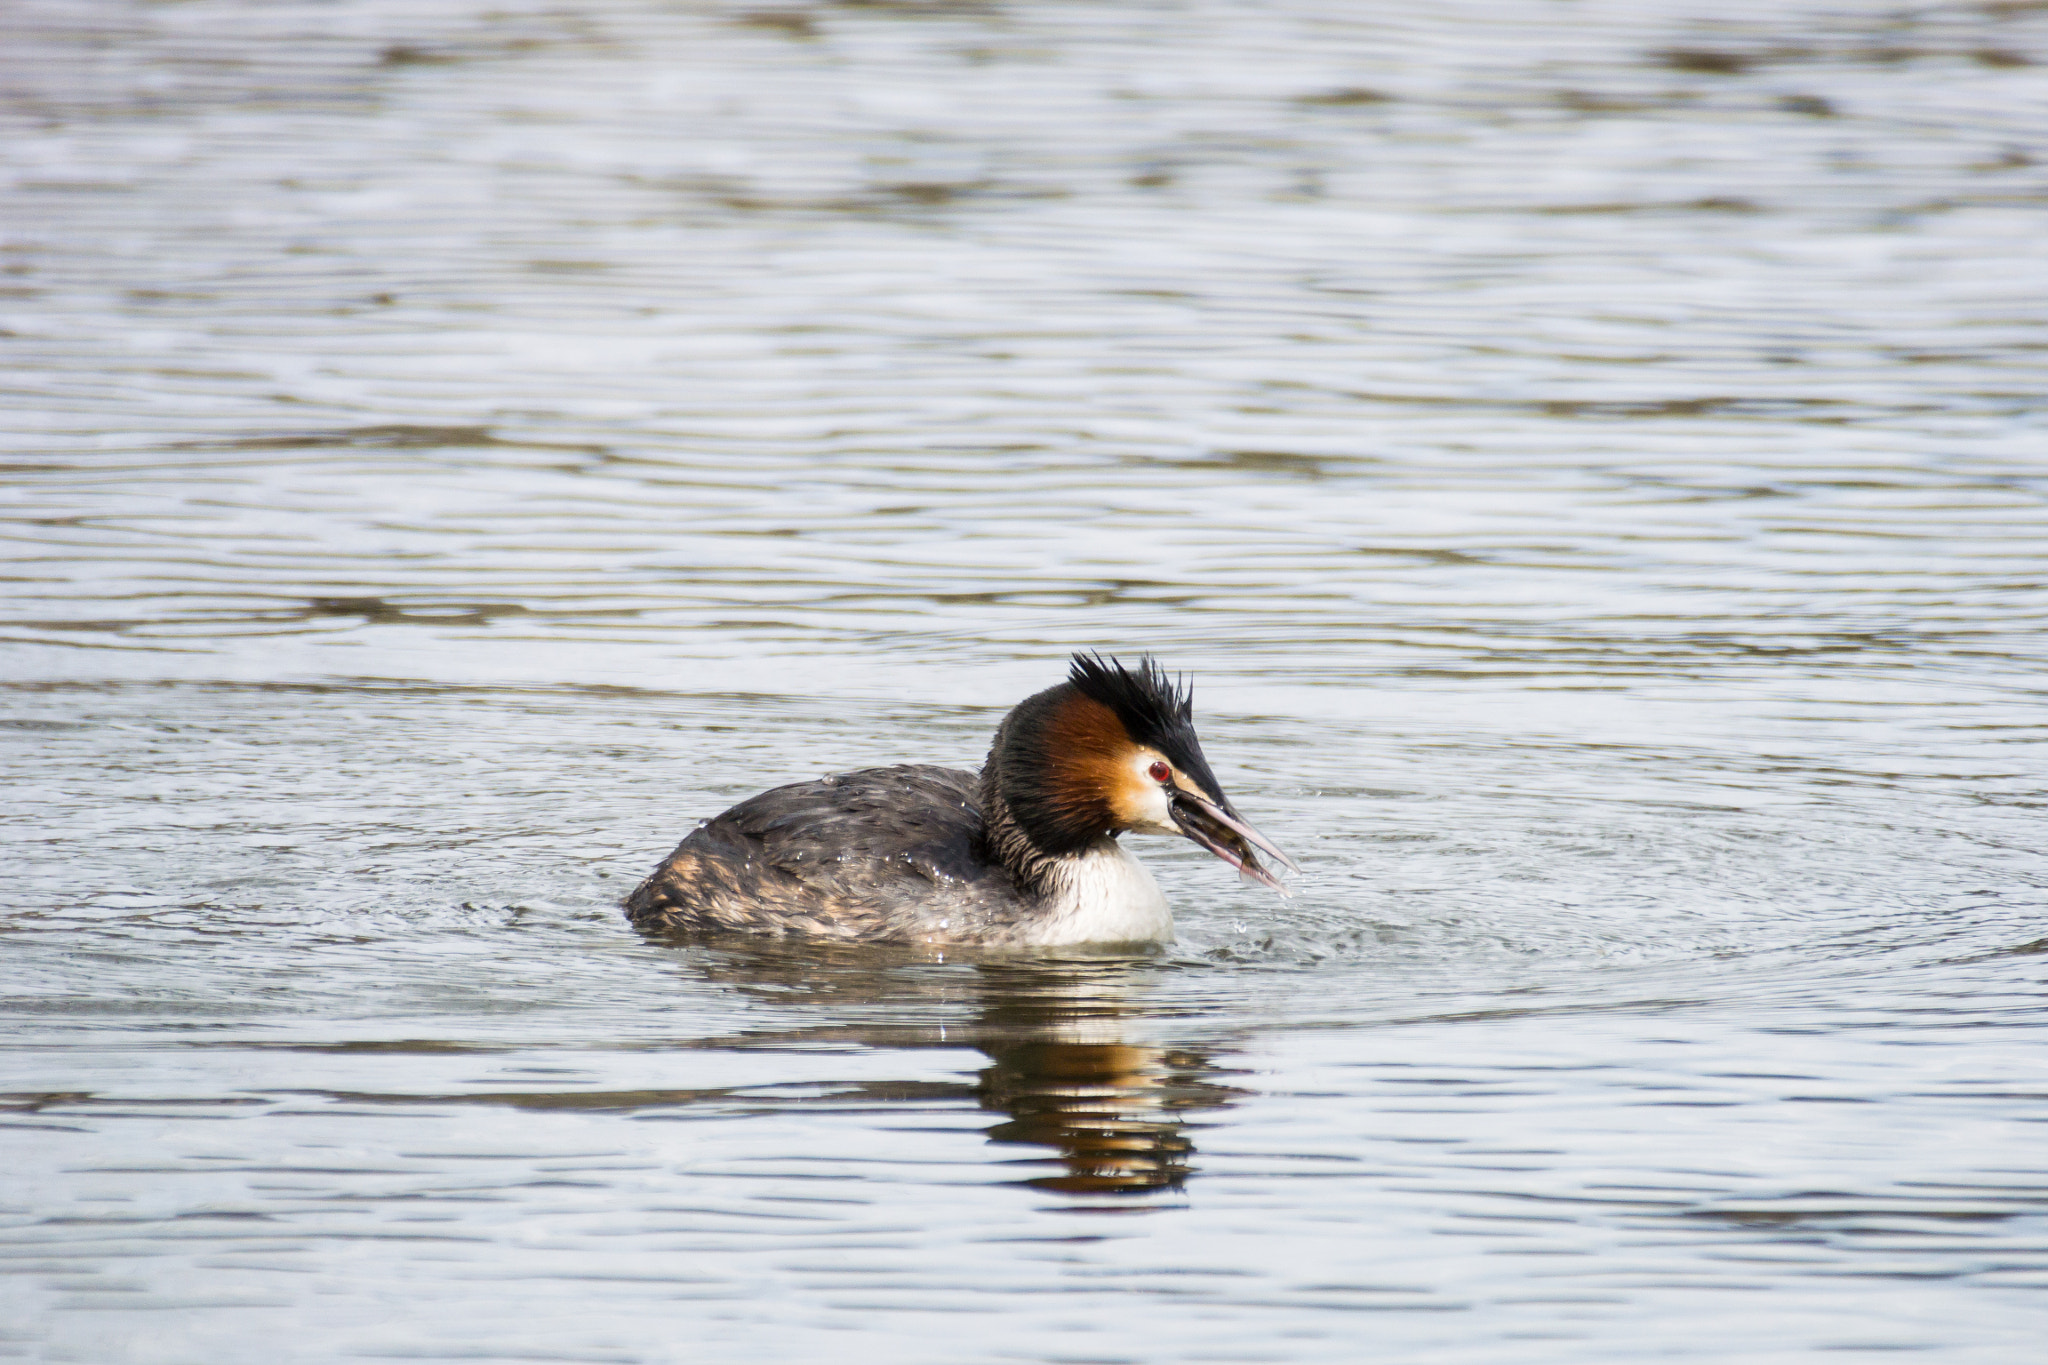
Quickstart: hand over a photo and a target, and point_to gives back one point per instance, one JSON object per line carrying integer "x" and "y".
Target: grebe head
{"x": 1114, "y": 749}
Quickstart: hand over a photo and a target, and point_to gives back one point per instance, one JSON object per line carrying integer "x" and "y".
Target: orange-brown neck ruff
{"x": 1089, "y": 763}
{"x": 1051, "y": 773}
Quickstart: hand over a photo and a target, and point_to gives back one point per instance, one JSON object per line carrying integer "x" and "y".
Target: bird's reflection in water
{"x": 1101, "y": 1106}
{"x": 1112, "y": 1113}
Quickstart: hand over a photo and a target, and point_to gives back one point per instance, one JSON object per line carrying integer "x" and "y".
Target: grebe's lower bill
{"x": 1024, "y": 853}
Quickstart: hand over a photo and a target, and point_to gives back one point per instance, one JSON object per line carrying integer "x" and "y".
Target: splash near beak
{"x": 1218, "y": 829}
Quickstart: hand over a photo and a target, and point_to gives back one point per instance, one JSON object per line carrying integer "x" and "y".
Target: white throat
{"x": 1104, "y": 896}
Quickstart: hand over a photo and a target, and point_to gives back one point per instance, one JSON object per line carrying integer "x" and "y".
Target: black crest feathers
{"x": 1154, "y": 708}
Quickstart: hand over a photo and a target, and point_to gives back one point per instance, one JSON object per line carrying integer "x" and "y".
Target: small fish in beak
{"x": 1219, "y": 829}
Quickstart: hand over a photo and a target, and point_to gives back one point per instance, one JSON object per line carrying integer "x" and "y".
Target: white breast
{"x": 1106, "y": 896}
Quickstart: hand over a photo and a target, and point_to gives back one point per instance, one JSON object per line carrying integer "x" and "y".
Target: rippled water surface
{"x": 1591, "y": 457}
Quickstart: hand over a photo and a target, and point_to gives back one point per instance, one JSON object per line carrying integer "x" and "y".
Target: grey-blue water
{"x": 1590, "y": 456}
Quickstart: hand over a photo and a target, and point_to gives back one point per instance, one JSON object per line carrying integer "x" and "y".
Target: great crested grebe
{"x": 1023, "y": 854}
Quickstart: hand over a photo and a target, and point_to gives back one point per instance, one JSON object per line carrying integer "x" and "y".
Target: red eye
{"x": 1160, "y": 772}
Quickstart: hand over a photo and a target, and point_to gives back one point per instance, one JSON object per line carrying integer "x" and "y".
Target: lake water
{"x": 1591, "y": 458}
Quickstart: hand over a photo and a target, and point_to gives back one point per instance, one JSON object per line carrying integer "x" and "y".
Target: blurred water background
{"x": 1590, "y": 454}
